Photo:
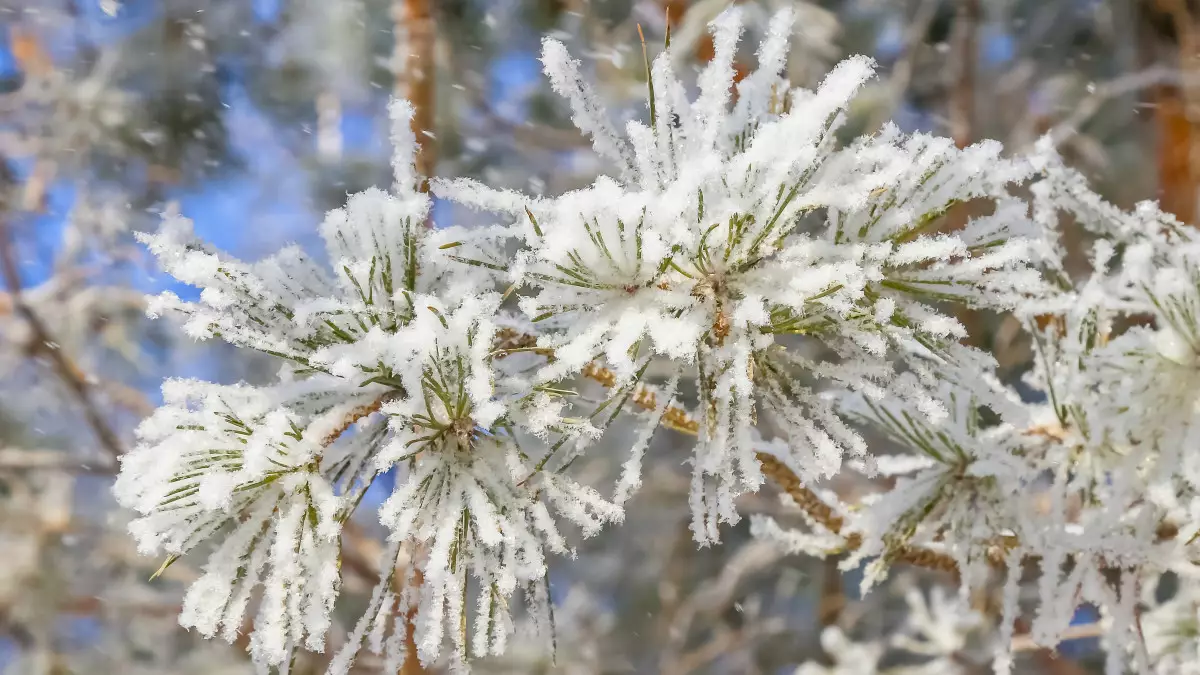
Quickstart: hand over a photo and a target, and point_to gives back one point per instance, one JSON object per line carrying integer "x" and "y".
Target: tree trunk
{"x": 415, "y": 69}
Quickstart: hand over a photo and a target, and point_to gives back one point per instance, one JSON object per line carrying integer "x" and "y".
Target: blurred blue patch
{"x": 560, "y": 584}
{"x": 912, "y": 119}
{"x": 1085, "y": 614}
{"x": 889, "y": 42}
{"x": 998, "y": 47}
{"x": 381, "y": 488}
{"x": 9, "y": 651}
{"x": 360, "y": 135}
{"x": 443, "y": 212}
{"x": 218, "y": 209}
{"x": 1075, "y": 649}
{"x": 512, "y": 78}
{"x": 79, "y": 632}
{"x": 11, "y": 76}
{"x": 267, "y": 11}
{"x": 1027, "y": 393}
{"x": 41, "y": 233}
{"x": 252, "y": 212}
{"x": 101, "y": 28}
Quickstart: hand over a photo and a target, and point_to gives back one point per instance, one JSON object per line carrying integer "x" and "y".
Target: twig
{"x": 833, "y": 596}
{"x": 824, "y": 514}
{"x": 710, "y": 599}
{"x": 355, "y": 415}
{"x": 1024, "y": 642}
{"x": 679, "y": 420}
{"x": 962, "y": 87}
{"x": 902, "y": 72}
{"x": 724, "y": 643}
{"x": 1106, "y": 91}
{"x": 25, "y": 459}
{"x": 43, "y": 341}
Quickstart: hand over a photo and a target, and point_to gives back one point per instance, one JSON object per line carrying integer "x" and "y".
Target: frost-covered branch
{"x": 782, "y": 296}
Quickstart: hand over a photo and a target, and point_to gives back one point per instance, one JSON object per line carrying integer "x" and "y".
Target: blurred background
{"x": 256, "y": 116}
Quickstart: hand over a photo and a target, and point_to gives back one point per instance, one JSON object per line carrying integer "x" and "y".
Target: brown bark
{"x": 415, "y": 41}
{"x": 674, "y": 11}
{"x": 415, "y": 38}
{"x": 965, "y": 39}
{"x": 961, "y": 113}
{"x": 1176, "y": 140}
{"x": 1169, "y": 30}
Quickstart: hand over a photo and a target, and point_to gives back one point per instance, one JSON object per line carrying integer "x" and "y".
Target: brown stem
{"x": 1177, "y": 116}
{"x": 822, "y": 513}
{"x": 355, "y": 415}
{"x": 679, "y": 420}
{"x": 833, "y": 598}
{"x": 412, "y": 664}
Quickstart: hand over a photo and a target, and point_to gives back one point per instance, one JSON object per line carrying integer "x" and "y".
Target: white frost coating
{"x": 698, "y": 257}
{"x": 808, "y": 288}
{"x": 586, "y": 110}
{"x": 631, "y": 472}
{"x": 756, "y": 92}
{"x": 710, "y": 109}
{"x": 404, "y": 147}
{"x": 289, "y": 532}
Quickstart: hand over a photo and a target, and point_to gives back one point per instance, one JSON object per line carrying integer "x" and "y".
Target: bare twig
{"x": 824, "y": 514}
{"x": 712, "y": 598}
{"x": 833, "y": 597}
{"x": 25, "y": 459}
{"x": 1024, "y": 642}
{"x": 355, "y": 415}
{"x": 962, "y": 87}
{"x": 71, "y": 375}
{"x": 1104, "y": 92}
{"x": 902, "y": 72}
{"x": 1178, "y": 114}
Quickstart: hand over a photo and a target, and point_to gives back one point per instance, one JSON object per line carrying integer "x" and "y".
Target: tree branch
{"x": 679, "y": 420}
{"x": 962, "y": 88}
{"x": 43, "y": 342}
{"x": 24, "y": 459}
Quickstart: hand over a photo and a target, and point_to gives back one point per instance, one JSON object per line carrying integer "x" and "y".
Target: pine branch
{"x": 679, "y": 420}
{"x": 824, "y": 514}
